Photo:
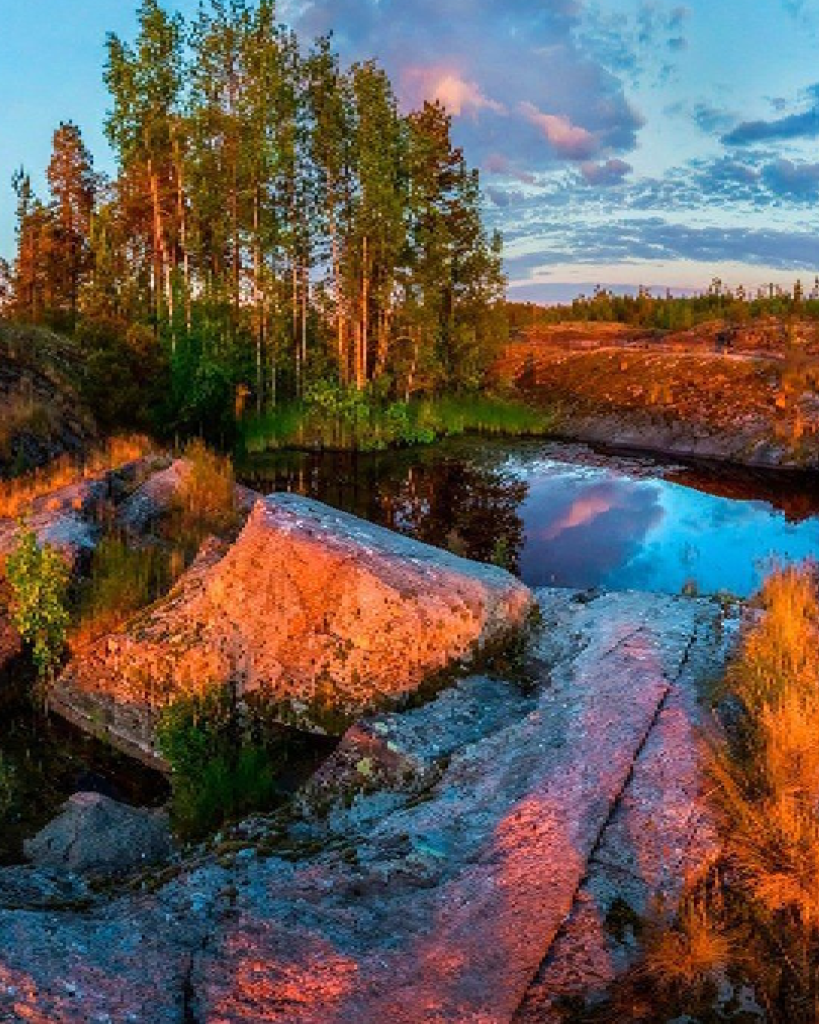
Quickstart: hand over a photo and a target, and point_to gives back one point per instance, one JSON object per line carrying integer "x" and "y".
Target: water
{"x": 565, "y": 515}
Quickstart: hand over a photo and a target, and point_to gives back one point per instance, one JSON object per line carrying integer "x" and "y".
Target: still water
{"x": 565, "y": 515}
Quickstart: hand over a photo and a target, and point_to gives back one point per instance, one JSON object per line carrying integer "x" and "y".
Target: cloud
{"x": 791, "y": 126}
{"x": 518, "y": 78}
{"x": 565, "y": 138}
{"x": 787, "y": 178}
{"x": 657, "y": 239}
{"x": 611, "y": 172}
{"x": 458, "y": 95}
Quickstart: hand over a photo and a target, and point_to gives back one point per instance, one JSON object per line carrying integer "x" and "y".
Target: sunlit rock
{"x": 317, "y": 612}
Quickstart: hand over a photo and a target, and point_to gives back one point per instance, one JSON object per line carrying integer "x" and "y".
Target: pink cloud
{"x": 566, "y": 138}
{"x": 457, "y": 94}
{"x": 583, "y": 511}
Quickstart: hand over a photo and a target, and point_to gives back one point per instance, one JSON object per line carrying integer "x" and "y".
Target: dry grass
{"x": 17, "y": 495}
{"x": 206, "y": 501}
{"x": 760, "y": 921}
{"x": 22, "y": 413}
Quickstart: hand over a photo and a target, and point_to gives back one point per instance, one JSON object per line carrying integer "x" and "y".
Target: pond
{"x": 569, "y": 516}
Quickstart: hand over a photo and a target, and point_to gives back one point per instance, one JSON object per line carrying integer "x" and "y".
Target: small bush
{"x": 221, "y": 767}
{"x": 38, "y": 577}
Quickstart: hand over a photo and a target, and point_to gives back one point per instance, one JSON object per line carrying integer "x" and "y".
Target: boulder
{"x": 319, "y": 613}
{"x": 95, "y": 835}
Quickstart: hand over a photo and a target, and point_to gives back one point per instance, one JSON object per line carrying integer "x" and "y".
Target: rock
{"x": 154, "y": 499}
{"x": 436, "y": 902}
{"x": 321, "y": 614}
{"x": 96, "y": 835}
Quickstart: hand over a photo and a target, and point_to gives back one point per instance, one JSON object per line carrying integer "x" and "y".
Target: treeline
{"x": 275, "y": 221}
{"x": 673, "y": 313}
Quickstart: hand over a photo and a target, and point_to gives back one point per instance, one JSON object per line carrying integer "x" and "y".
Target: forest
{"x": 669, "y": 312}
{"x": 277, "y": 231}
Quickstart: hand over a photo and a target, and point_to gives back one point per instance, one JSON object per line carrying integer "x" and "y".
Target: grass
{"x": 754, "y": 918}
{"x": 221, "y": 766}
{"x": 205, "y": 502}
{"x": 123, "y": 579}
{"x": 17, "y": 495}
{"x": 352, "y": 422}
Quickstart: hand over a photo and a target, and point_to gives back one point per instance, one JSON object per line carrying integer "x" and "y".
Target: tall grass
{"x": 357, "y": 423}
{"x": 123, "y": 579}
{"x": 757, "y": 918}
{"x": 16, "y": 495}
{"x": 205, "y": 502}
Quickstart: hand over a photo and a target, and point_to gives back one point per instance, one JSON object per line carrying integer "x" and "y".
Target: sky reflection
{"x": 593, "y": 527}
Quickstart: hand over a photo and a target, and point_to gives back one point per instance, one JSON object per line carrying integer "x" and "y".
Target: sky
{"x": 621, "y": 142}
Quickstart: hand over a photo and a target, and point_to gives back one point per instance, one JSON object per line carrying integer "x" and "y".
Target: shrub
{"x": 38, "y": 577}
{"x": 221, "y": 767}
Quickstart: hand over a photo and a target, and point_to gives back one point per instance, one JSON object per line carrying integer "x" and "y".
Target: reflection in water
{"x": 562, "y": 515}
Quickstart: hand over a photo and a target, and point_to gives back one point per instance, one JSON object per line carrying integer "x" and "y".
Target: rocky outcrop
{"x": 321, "y": 614}
{"x": 95, "y": 835}
{"x": 443, "y": 871}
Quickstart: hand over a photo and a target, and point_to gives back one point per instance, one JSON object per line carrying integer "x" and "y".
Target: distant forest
{"x": 668, "y": 312}
{"x": 275, "y": 222}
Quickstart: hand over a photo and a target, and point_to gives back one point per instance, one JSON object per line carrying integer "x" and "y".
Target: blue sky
{"x": 622, "y": 142}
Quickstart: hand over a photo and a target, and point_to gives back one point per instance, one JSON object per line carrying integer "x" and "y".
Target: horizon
{"x": 626, "y": 146}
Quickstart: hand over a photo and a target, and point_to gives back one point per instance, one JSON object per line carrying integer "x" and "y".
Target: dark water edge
{"x": 45, "y": 759}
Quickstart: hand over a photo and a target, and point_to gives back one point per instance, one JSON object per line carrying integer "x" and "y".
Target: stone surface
{"x": 322, "y": 614}
{"x": 440, "y": 895}
{"x": 95, "y": 835}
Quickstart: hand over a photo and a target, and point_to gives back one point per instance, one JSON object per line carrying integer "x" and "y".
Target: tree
{"x": 72, "y": 184}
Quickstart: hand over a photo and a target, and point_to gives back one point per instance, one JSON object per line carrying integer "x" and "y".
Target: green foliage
{"x": 346, "y": 419}
{"x": 39, "y": 577}
{"x": 221, "y": 767}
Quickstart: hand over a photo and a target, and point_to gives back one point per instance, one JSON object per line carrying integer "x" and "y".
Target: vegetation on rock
{"x": 38, "y": 578}
{"x": 221, "y": 766}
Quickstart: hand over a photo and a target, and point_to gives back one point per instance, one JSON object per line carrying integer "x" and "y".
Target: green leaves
{"x": 38, "y": 577}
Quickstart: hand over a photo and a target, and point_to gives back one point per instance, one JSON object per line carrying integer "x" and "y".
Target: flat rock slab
{"x": 452, "y": 902}
{"x": 659, "y": 837}
{"x": 435, "y": 905}
{"x": 321, "y": 613}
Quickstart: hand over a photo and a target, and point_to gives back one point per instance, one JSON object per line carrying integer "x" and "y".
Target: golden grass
{"x": 206, "y": 500}
{"x": 760, "y": 920}
{"x": 16, "y": 495}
